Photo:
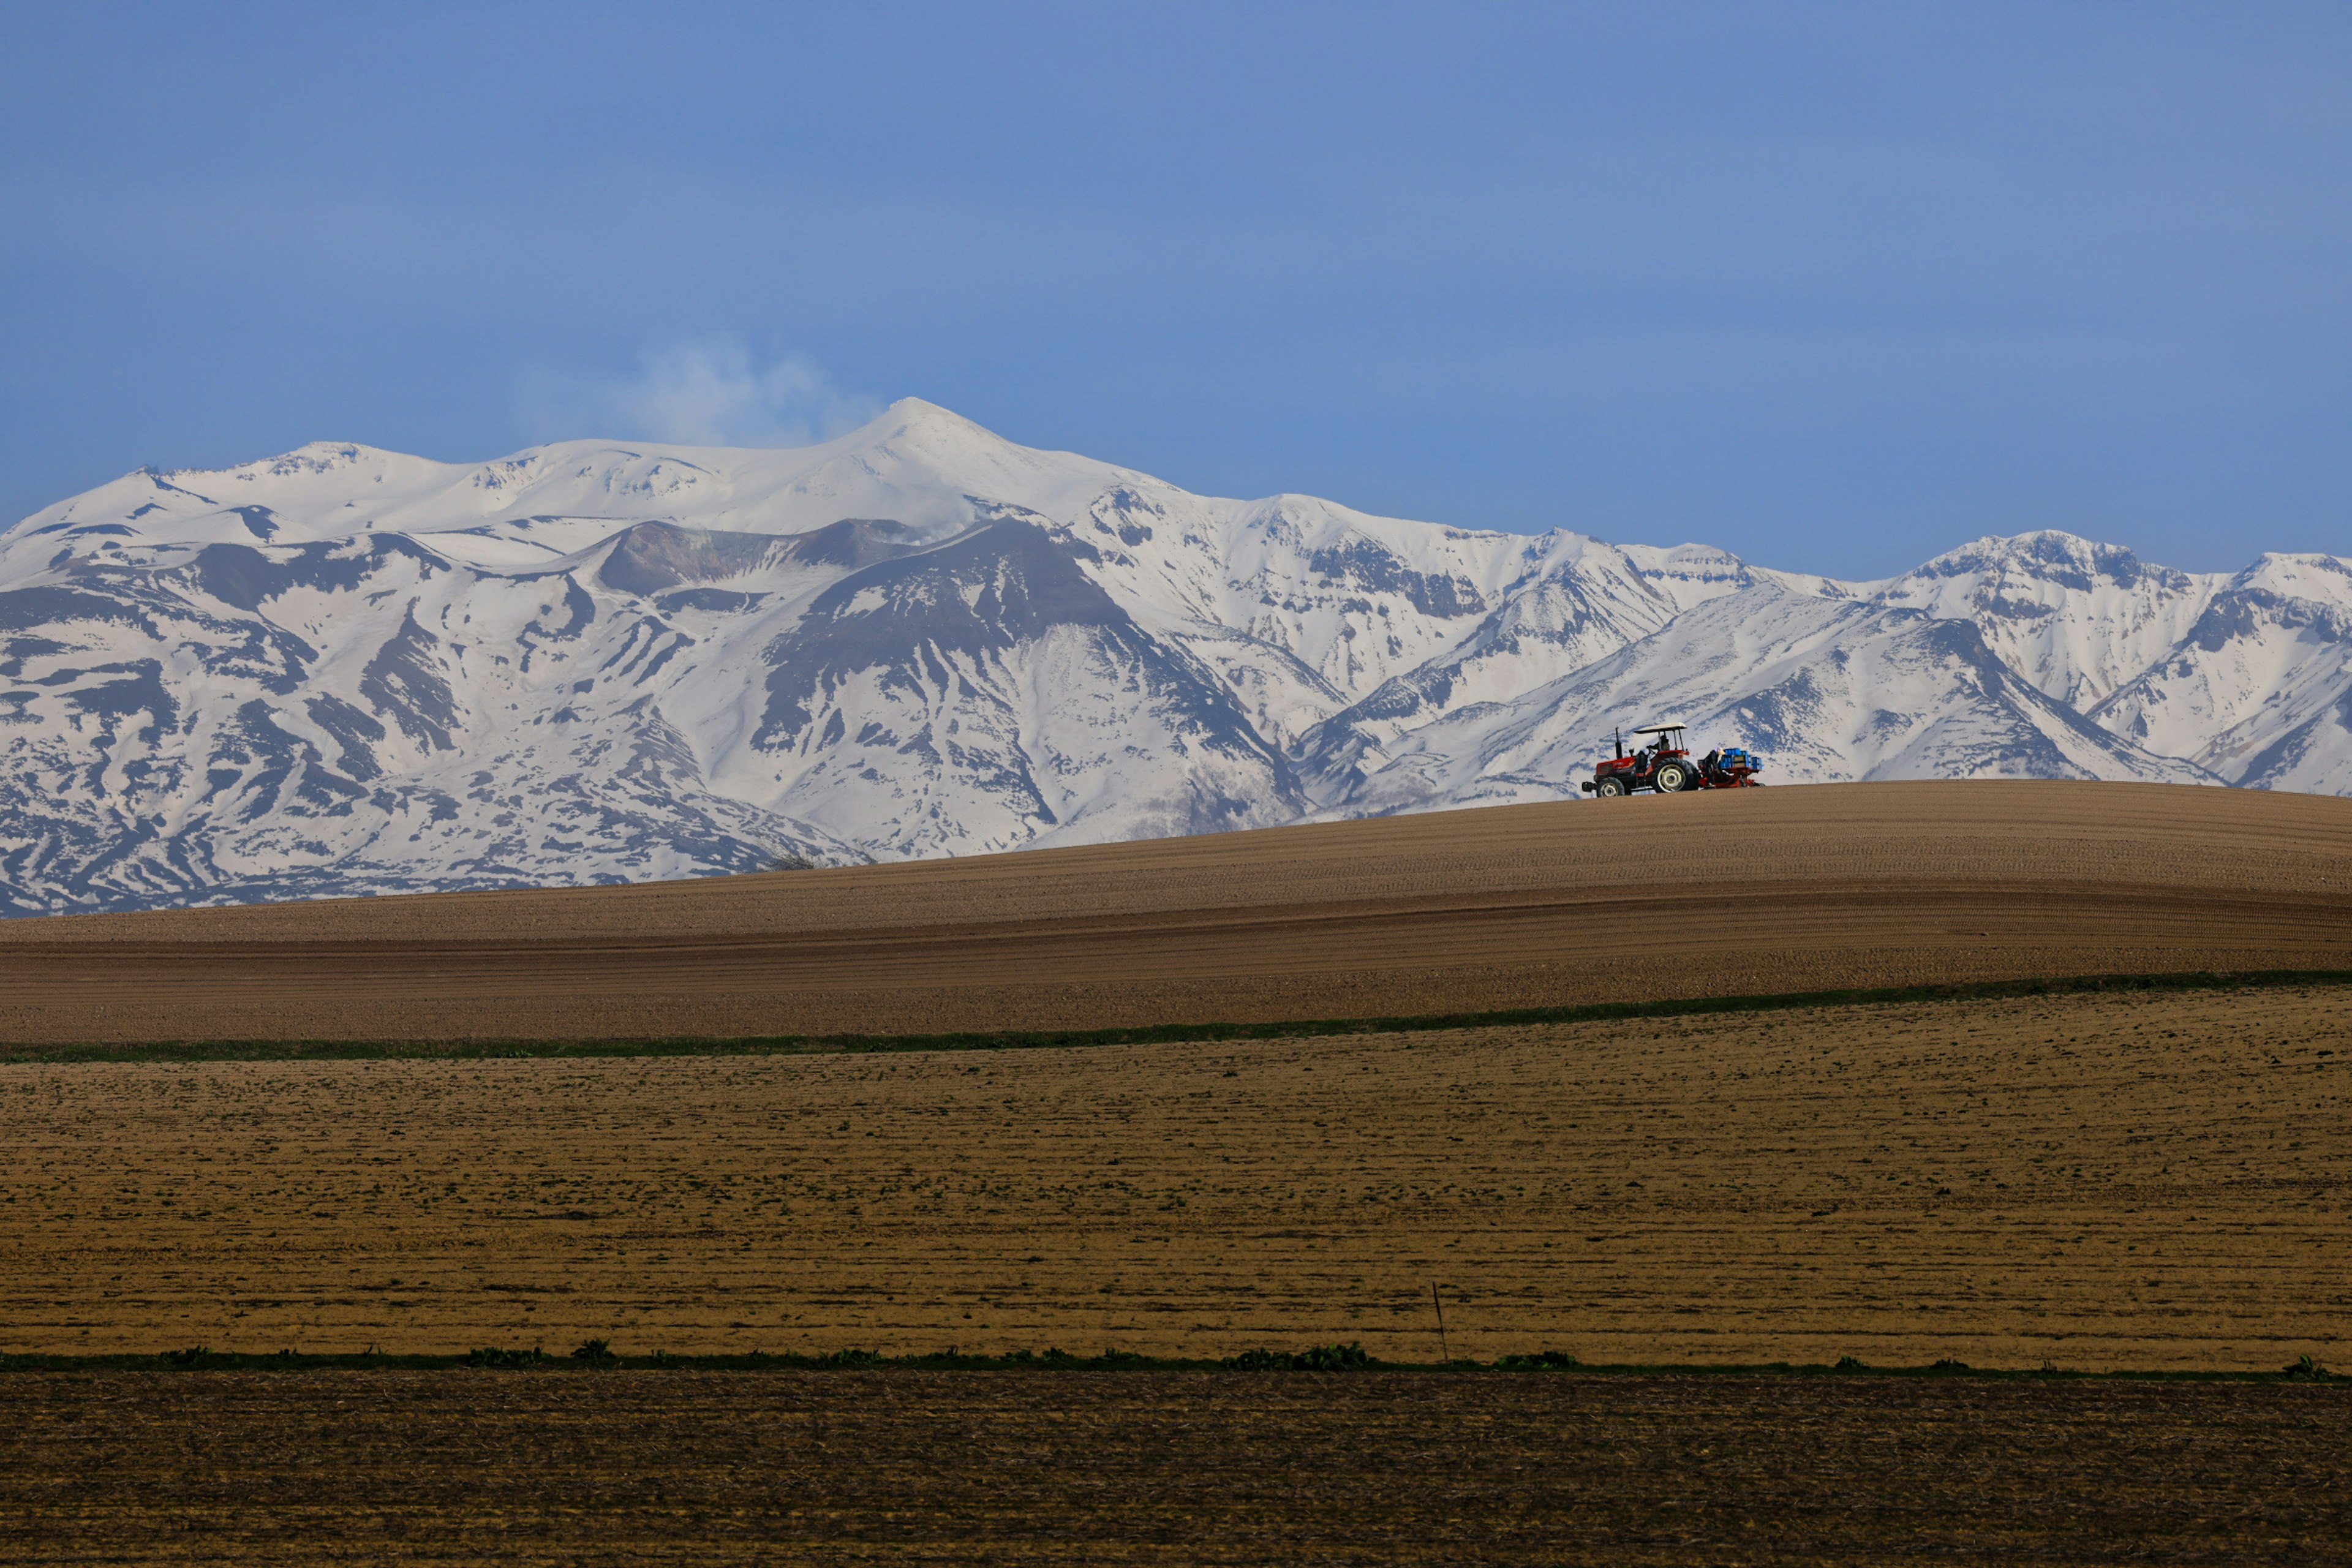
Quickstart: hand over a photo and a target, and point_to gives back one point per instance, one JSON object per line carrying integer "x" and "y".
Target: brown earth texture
{"x": 2147, "y": 1181}
{"x": 2158, "y": 1181}
{"x": 1716, "y": 893}
{"x": 1077, "y": 1468}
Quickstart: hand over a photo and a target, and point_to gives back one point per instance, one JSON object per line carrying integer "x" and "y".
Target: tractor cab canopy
{"x": 1670, "y": 739}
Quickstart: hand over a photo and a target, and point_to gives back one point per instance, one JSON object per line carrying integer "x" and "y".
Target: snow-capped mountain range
{"x": 347, "y": 670}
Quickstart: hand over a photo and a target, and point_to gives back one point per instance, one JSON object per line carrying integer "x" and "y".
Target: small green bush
{"x": 196, "y": 1355}
{"x": 2305, "y": 1369}
{"x": 1539, "y": 1362}
{"x": 492, "y": 1355}
{"x": 1850, "y": 1364}
{"x": 596, "y": 1353}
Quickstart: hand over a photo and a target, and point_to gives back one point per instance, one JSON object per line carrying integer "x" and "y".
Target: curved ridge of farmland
{"x": 1716, "y": 894}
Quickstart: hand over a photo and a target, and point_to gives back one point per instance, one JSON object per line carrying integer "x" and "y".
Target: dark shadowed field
{"x": 1164, "y": 1467}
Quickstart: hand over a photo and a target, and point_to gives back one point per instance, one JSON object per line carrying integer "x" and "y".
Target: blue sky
{"x": 1835, "y": 287}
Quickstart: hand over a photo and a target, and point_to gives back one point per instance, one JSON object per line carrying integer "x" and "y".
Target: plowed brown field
{"x": 2141, "y": 1181}
{"x": 676, "y": 1466}
{"x": 1709, "y": 894}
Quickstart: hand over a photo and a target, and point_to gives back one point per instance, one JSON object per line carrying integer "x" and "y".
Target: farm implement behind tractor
{"x": 1666, "y": 766}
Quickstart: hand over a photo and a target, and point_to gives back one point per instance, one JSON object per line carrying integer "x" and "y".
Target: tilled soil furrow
{"x": 1162, "y": 1467}
{"x": 2002, "y": 1182}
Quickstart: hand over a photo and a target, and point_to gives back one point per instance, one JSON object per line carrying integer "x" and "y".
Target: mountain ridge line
{"x": 347, "y": 671}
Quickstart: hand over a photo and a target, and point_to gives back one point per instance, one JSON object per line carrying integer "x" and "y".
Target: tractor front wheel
{"x": 1670, "y": 778}
{"x": 1608, "y": 787}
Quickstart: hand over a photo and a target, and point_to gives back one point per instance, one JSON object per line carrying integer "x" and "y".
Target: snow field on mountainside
{"x": 346, "y": 670}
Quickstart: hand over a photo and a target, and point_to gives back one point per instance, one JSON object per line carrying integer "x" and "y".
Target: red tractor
{"x": 1666, "y": 766}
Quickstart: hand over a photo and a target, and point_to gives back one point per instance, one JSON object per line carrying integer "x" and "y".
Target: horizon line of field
{"x": 1326, "y": 1361}
{"x": 1158, "y": 1033}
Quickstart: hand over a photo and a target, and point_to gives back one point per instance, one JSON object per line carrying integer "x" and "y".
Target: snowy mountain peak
{"x": 2076, "y": 618}
{"x": 345, "y": 669}
{"x": 916, "y": 417}
{"x": 2323, "y": 578}
{"x": 2047, "y": 554}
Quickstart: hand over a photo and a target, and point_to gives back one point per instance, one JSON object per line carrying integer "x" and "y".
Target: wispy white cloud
{"x": 706, "y": 392}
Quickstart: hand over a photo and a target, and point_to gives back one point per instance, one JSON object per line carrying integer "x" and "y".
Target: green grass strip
{"x": 1159, "y": 1034}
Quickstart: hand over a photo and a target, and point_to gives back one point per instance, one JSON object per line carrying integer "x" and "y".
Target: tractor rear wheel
{"x": 1670, "y": 778}
{"x": 1608, "y": 787}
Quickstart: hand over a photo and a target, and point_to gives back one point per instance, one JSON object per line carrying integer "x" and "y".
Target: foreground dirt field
{"x": 2142, "y": 1181}
{"x": 646, "y": 1467}
{"x": 1715, "y": 894}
